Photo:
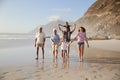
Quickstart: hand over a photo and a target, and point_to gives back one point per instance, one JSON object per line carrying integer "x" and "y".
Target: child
{"x": 63, "y": 48}
{"x": 40, "y": 42}
{"x": 67, "y": 34}
{"x": 81, "y": 37}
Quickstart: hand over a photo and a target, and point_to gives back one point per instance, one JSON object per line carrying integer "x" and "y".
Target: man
{"x": 67, "y": 35}
{"x": 39, "y": 42}
{"x": 66, "y": 26}
{"x": 55, "y": 43}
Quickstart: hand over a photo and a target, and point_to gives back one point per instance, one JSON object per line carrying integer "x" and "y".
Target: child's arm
{"x": 72, "y": 40}
{"x": 73, "y": 28}
{"x": 60, "y": 29}
{"x": 60, "y": 42}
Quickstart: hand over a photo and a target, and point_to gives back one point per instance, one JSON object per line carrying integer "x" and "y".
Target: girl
{"x": 81, "y": 37}
{"x": 63, "y": 48}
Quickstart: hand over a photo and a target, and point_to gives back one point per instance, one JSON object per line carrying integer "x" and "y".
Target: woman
{"x": 81, "y": 37}
{"x": 55, "y": 38}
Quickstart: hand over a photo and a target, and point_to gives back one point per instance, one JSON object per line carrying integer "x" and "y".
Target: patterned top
{"x": 81, "y": 36}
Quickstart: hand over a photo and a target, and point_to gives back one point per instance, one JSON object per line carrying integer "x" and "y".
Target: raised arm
{"x": 74, "y": 28}
{"x": 60, "y": 25}
{"x": 60, "y": 28}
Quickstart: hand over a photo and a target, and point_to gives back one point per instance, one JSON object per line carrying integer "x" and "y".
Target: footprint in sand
{"x": 60, "y": 76}
{"x": 4, "y": 73}
{"x": 1, "y": 77}
{"x": 19, "y": 70}
{"x": 86, "y": 79}
{"x": 66, "y": 72}
{"x": 100, "y": 75}
{"x": 95, "y": 77}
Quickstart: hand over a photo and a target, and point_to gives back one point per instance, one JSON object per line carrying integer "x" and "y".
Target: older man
{"x": 39, "y": 42}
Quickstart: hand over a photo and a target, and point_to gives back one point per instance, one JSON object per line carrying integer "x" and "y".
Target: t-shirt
{"x": 81, "y": 36}
{"x": 40, "y": 37}
{"x": 63, "y": 46}
{"x": 55, "y": 38}
{"x": 68, "y": 27}
{"x": 67, "y": 36}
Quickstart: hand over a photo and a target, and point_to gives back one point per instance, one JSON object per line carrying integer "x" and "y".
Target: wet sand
{"x": 18, "y": 63}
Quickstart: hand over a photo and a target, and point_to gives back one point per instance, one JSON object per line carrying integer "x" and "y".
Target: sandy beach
{"x": 101, "y": 62}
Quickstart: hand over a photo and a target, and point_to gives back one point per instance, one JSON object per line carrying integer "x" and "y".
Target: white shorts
{"x": 39, "y": 44}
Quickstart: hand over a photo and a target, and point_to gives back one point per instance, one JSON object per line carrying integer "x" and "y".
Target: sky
{"x": 22, "y": 16}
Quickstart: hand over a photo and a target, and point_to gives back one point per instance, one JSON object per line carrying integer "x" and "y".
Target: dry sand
{"x": 100, "y": 63}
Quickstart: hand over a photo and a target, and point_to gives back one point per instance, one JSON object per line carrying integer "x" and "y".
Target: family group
{"x": 63, "y": 42}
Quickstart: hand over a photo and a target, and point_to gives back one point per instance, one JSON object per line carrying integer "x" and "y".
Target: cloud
{"x": 54, "y": 18}
{"x": 62, "y": 9}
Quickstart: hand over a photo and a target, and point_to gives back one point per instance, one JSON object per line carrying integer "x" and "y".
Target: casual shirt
{"x": 68, "y": 27}
{"x": 67, "y": 36}
{"x": 55, "y": 38}
{"x": 63, "y": 46}
{"x": 81, "y": 36}
{"x": 40, "y": 37}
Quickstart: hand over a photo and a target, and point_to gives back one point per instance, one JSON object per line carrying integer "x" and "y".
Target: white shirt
{"x": 63, "y": 46}
{"x": 40, "y": 37}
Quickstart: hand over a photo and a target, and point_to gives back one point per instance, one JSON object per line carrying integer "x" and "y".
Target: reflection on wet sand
{"x": 40, "y": 65}
{"x": 81, "y": 65}
{"x": 55, "y": 63}
{"x": 90, "y": 69}
{"x": 65, "y": 64}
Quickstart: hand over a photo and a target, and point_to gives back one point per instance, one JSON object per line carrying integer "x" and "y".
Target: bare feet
{"x": 81, "y": 59}
{"x": 36, "y": 58}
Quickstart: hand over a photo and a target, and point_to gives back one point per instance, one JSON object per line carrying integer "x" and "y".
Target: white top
{"x": 40, "y": 37}
{"x": 63, "y": 46}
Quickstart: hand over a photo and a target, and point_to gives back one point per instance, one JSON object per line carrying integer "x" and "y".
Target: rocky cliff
{"x": 48, "y": 28}
{"x": 102, "y": 19}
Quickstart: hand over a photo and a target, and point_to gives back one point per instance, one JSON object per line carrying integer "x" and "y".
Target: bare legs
{"x": 80, "y": 52}
{"x": 55, "y": 51}
{"x": 68, "y": 50}
{"x": 42, "y": 52}
{"x": 37, "y": 52}
{"x": 63, "y": 54}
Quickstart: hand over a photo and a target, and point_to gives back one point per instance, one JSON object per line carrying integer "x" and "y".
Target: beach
{"x": 101, "y": 61}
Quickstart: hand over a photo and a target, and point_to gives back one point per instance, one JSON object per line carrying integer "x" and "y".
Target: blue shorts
{"x": 80, "y": 43}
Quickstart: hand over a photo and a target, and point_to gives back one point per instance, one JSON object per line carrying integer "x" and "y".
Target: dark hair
{"x": 83, "y": 29}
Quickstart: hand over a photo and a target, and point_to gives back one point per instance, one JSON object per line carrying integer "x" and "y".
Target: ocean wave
{"x": 15, "y": 38}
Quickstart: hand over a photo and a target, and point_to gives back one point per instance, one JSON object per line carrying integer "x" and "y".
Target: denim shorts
{"x": 80, "y": 43}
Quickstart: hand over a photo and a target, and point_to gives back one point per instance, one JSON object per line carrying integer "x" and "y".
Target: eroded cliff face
{"x": 102, "y": 19}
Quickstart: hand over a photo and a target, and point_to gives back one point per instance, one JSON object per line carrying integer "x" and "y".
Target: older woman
{"x": 55, "y": 43}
